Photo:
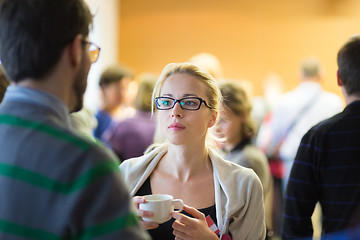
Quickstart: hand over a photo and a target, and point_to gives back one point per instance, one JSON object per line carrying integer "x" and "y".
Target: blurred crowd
{"x": 259, "y": 132}
{"x": 291, "y": 156}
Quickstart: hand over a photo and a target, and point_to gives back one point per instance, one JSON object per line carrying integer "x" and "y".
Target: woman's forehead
{"x": 183, "y": 84}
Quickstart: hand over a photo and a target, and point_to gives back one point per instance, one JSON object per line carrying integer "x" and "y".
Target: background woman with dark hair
{"x": 237, "y": 129}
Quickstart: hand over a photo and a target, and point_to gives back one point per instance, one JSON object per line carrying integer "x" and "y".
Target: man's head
{"x": 114, "y": 83}
{"x": 43, "y": 44}
{"x": 35, "y": 32}
{"x": 348, "y": 60}
{"x": 114, "y": 74}
{"x": 311, "y": 69}
{"x": 209, "y": 63}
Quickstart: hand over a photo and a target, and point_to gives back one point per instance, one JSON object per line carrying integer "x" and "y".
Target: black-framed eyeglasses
{"x": 187, "y": 103}
{"x": 94, "y": 50}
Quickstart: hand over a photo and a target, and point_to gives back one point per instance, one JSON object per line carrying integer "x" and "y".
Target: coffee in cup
{"x": 161, "y": 205}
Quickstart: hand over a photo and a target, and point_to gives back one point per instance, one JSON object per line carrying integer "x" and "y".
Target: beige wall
{"x": 250, "y": 37}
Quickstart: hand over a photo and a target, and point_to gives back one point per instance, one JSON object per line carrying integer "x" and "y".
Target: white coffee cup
{"x": 161, "y": 205}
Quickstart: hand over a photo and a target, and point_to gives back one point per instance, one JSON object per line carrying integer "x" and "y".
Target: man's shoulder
{"x": 44, "y": 136}
{"x": 327, "y": 126}
{"x": 69, "y": 161}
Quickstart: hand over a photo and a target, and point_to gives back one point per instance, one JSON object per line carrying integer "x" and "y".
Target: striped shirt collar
{"x": 40, "y": 98}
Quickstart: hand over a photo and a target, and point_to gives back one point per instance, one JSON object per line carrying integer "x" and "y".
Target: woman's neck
{"x": 185, "y": 162}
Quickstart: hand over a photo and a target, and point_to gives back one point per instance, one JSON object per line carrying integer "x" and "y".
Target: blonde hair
{"x": 213, "y": 93}
{"x": 236, "y": 100}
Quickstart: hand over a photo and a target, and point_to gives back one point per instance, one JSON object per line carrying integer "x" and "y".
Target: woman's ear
{"x": 212, "y": 119}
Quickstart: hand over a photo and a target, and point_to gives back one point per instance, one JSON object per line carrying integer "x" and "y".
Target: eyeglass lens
{"x": 94, "y": 53}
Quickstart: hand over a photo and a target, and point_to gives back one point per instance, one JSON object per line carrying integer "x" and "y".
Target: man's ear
{"x": 339, "y": 81}
{"x": 75, "y": 51}
{"x": 212, "y": 119}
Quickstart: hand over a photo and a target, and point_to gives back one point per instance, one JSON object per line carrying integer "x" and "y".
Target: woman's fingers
{"x": 180, "y": 235}
{"x": 142, "y": 213}
{"x": 178, "y": 225}
{"x": 188, "y": 220}
{"x": 182, "y": 220}
{"x": 193, "y": 211}
{"x": 137, "y": 200}
{"x": 192, "y": 228}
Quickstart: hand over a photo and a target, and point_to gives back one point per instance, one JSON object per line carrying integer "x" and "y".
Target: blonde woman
{"x": 185, "y": 167}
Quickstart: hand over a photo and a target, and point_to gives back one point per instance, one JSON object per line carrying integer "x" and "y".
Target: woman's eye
{"x": 190, "y": 103}
{"x": 165, "y": 103}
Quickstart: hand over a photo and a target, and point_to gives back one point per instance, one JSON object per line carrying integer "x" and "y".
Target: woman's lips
{"x": 176, "y": 126}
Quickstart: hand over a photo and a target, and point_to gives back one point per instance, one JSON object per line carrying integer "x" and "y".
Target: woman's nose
{"x": 177, "y": 111}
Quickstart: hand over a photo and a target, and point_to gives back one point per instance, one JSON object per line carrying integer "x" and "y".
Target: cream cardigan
{"x": 238, "y": 193}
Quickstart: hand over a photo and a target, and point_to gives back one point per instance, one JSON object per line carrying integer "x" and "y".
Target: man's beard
{"x": 79, "y": 88}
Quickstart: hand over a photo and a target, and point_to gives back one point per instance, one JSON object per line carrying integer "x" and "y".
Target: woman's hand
{"x": 141, "y": 213}
{"x": 186, "y": 228}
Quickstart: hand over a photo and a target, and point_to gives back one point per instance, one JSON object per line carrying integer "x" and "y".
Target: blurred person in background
{"x": 84, "y": 122}
{"x": 263, "y": 105}
{"x": 209, "y": 63}
{"x": 114, "y": 82}
{"x": 326, "y": 166}
{"x": 296, "y": 112}
{"x": 236, "y": 130}
{"x": 130, "y": 137}
{"x": 54, "y": 183}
